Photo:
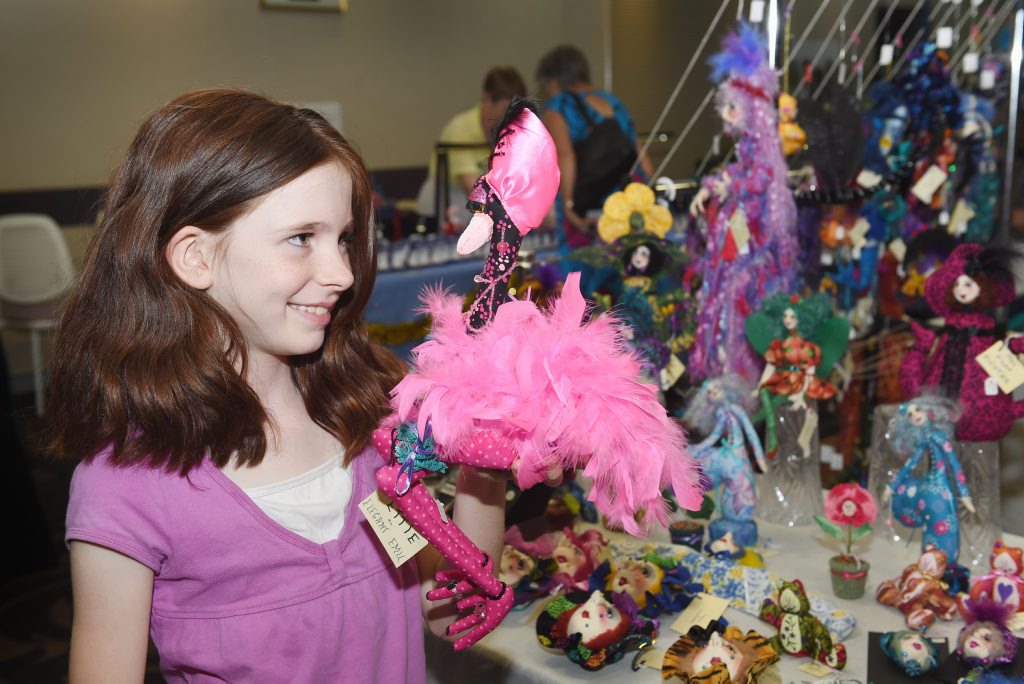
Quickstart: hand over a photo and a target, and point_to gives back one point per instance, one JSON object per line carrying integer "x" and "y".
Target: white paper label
{"x": 943, "y": 218}
{"x": 970, "y": 62}
{"x": 924, "y": 189}
{"x": 868, "y": 179}
{"x": 944, "y": 37}
{"x": 991, "y": 387}
{"x": 1002, "y": 365}
{"x": 396, "y": 534}
{"x": 962, "y": 214}
{"x": 898, "y": 249}
{"x": 987, "y": 80}
{"x": 756, "y": 11}
{"x": 885, "y": 55}
{"x": 651, "y": 657}
{"x": 702, "y": 610}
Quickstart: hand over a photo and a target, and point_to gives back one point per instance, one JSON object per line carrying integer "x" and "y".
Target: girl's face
{"x": 916, "y": 415}
{"x": 282, "y": 267}
{"x": 789, "y": 319}
{"x": 594, "y": 618}
{"x": 965, "y": 289}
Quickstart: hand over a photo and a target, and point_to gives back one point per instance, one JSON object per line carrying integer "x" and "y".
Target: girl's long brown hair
{"x": 154, "y": 369}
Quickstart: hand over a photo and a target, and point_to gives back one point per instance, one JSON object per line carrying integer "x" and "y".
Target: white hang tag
{"x": 962, "y": 215}
{"x": 816, "y": 669}
{"x": 987, "y": 80}
{"x": 740, "y": 231}
{"x": 970, "y": 62}
{"x": 395, "y": 533}
{"x": 702, "y": 610}
{"x": 924, "y": 189}
{"x": 991, "y": 387}
{"x": 898, "y": 248}
{"x": 944, "y": 37}
{"x": 868, "y": 179}
{"x": 756, "y": 11}
{"x": 943, "y": 218}
{"x": 650, "y": 657}
{"x": 1002, "y": 366}
{"x": 885, "y": 55}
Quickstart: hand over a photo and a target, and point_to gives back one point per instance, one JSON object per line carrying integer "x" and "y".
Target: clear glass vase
{"x": 980, "y": 463}
{"x": 790, "y": 492}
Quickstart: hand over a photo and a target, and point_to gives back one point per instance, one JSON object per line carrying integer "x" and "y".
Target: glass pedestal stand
{"x": 980, "y": 463}
{"x": 790, "y": 492}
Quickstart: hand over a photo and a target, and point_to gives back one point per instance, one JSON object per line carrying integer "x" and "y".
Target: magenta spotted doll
{"x": 964, "y": 291}
{"x": 749, "y": 210}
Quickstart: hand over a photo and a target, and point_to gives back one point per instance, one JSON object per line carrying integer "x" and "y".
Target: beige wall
{"x": 76, "y": 78}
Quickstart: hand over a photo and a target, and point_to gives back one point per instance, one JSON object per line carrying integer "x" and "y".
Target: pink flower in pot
{"x": 849, "y": 511}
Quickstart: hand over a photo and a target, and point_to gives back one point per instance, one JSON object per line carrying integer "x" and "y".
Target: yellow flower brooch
{"x": 633, "y": 210}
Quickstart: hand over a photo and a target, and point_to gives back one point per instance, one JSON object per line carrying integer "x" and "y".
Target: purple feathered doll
{"x": 750, "y": 212}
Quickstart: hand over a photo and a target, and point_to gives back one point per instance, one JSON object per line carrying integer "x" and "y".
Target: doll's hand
{"x": 797, "y": 401}
{"x": 697, "y": 204}
{"x": 487, "y": 613}
{"x": 968, "y": 504}
{"x": 763, "y": 465}
{"x": 886, "y": 495}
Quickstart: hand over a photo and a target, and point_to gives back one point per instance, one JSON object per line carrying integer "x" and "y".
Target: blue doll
{"x": 718, "y": 409}
{"x": 923, "y": 426}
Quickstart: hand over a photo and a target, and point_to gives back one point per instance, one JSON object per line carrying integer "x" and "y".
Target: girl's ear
{"x": 190, "y": 255}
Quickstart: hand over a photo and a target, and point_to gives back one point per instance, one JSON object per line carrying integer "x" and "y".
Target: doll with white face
{"x": 637, "y": 578}
{"x": 515, "y": 565}
{"x": 593, "y": 629}
{"x": 911, "y": 651}
{"x": 714, "y": 656}
{"x": 576, "y": 556}
{"x": 986, "y": 640}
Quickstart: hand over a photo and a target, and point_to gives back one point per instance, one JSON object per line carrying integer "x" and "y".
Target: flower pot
{"x": 688, "y": 533}
{"x": 849, "y": 576}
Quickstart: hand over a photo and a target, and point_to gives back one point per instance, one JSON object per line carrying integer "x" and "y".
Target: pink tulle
{"x": 558, "y": 391}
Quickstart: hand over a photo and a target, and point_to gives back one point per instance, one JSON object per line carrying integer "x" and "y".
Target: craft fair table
{"x": 512, "y": 654}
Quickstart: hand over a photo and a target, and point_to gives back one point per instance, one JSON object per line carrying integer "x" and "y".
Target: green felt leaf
{"x": 861, "y": 531}
{"x": 829, "y": 527}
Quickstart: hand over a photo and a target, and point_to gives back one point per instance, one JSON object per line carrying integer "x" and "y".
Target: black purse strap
{"x": 582, "y": 107}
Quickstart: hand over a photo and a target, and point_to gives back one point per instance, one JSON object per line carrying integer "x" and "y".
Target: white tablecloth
{"x": 511, "y": 653}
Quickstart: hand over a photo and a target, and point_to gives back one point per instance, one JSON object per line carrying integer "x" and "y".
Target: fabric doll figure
{"x": 1004, "y": 584}
{"x": 800, "y": 633}
{"x": 720, "y": 409}
{"x": 594, "y": 629}
{"x": 919, "y": 592}
{"x": 718, "y": 655}
{"x": 911, "y": 651}
{"x": 986, "y": 640}
{"x": 576, "y": 556}
{"x": 749, "y": 210}
{"x": 964, "y": 291}
{"x": 793, "y": 137}
{"x": 922, "y": 427}
{"x": 800, "y": 340}
{"x": 535, "y": 392}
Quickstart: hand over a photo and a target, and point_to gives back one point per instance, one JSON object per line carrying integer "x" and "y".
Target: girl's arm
{"x": 480, "y": 513}
{"x": 110, "y": 630}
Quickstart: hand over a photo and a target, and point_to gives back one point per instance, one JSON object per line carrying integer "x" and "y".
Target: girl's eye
{"x": 347, "y": 238}
{"x": 300, "y": 240}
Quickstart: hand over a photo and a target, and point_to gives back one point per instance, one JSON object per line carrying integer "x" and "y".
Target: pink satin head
{"x": 524, "y": 171}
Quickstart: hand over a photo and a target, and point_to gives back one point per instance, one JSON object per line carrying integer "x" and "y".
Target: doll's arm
{"x": 913, "y": 365}
{"x": 944, "y": 448}
{"x": 769, "y": 370}
{"x": 797, "y": 400}
{"x": 908, "y": 467}
{"x": 716, "y": 434}
{"x": 753, "y": 180}
{"x": 752, "y": 438}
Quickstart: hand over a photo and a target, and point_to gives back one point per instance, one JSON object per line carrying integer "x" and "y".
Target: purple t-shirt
{"x": 238, "y": 597}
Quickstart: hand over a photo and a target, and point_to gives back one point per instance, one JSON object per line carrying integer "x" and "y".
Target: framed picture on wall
{"x": 319, "y": 5}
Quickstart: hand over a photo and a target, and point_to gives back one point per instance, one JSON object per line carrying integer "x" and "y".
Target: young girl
{"x": 213, "y": 375}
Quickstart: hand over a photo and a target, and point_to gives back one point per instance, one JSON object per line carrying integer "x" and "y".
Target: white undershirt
{"x": 312, "y": 504}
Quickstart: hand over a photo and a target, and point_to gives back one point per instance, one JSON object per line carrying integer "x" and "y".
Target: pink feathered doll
{"x": 510, "y": 386}
{"x": 965, "y": 290}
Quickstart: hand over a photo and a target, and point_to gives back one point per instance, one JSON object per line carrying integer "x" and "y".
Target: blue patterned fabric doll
{"x": 923, "y": 426}
{"x": 719, "y": 409}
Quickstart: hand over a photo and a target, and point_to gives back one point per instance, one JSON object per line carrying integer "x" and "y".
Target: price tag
{"x": 868, "y": 179}
{"x": 1002, "y": 366}
{"x": 962, "y": 214}
{"x": 756, "y": 11}
{"x": 987, "y": 80}
{"x": 396, "y": 534}
{"x": 816, "y": 669}
{"x": 898, "y": 249}
{"x": 970, "y": 62}
{"x": 702, "y": 610}
{"x": 924, "y": 189}
{"x": 944, "y": 37}
{"x": 885, "y": 55}
{"x": 650, "y": 657}
{"x": 740, "y": 231}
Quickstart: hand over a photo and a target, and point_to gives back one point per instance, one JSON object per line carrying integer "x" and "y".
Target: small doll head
{"x": 636, "y": 578}
{"x": 911, "y": 651}
{"x": 787, "y": 108}
{"x": 912, "y": 420}
{"x": 726, "y": 389}
{"x": 594, "y": 628}
{"x": 643, "y": 259}
{"x": 793, "y": 597}
{"x": 576, "y": 555}
{"x": 974, "y": 278}
{"x": 515, "y": 565}
{"x": 933, "y": 563}
{"x": 715, "y": 656}
{"x": 986, "y": 640}
{"x": 747, "y": 84}
{"x": 793, "y": 314}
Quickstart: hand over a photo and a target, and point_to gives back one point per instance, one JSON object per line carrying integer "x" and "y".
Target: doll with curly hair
{"x": 924, "y": 427}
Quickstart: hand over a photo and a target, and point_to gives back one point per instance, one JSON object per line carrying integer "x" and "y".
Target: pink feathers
{"x": 555, "y": 390}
